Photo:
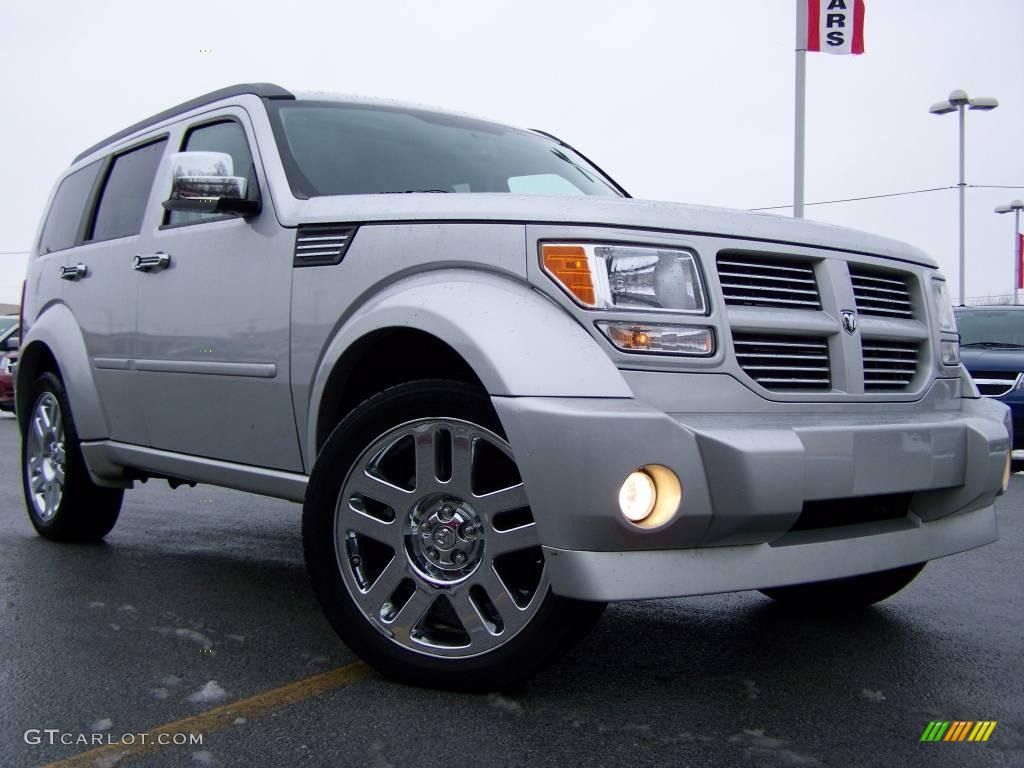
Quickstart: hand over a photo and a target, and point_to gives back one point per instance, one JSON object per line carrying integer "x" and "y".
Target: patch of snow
{"x": 504, "y": 703}
{"x": 97, "y": 604}
{"x": 186, "y": 634}
{"x": 160, "y": 693}
{"x": 872, "y": 695}
{"x": 209, "y": 692}
{"x": 127, "y": 607}
{"x": 240, "y": 721}
{"x": 751, "y": 688}
{"x": 204, "y": 757}
{"x": 170, "y": 681}
{"x": 102, "y": 725}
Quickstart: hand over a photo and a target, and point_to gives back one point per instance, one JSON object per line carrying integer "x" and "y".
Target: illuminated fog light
{"x": 950, "y": 352}
{"x": 637, "y": 496}
{"x": 650, "y": 496}
{"x": 659, "y": 338}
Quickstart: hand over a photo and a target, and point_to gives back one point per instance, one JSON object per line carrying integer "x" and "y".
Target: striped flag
{"x": 835, "y": 26}
{"x": 1020, "y": 261}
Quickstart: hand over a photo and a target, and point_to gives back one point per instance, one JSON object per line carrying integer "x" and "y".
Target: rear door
{"x": 100, "y": 283}
{"x": 213, "y": 357}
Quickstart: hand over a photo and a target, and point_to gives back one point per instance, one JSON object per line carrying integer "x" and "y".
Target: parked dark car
{"x": 992, "y": 349}
{"x": 9, "y": 342}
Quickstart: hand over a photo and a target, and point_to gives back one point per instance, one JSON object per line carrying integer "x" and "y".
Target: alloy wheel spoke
{"x": 461, "y": 464}
{"x": 479, "y": 633}
{"x": 385, "y": 584}
{"x": 425, "y": 442}
{"x": 504, "y": 500}
{"x": 409, "y": 615}
{"x": 373, "y": 527}
{"x": 38, "y": 426}
{"x": 512, "y": 540}
{"x": 381, "y": 490}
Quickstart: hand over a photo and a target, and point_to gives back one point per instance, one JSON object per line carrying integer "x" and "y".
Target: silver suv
{"x": 505, "y": 392}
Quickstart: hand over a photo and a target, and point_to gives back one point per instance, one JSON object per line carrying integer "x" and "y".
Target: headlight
{"x": 944, "y": 307}
{"x": 626, "y": 276}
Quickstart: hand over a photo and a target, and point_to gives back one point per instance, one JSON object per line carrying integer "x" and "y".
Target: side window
{"x": 64, "y": 220}
{"x": 123, "y": 201}
{"x": 227, "y": 136}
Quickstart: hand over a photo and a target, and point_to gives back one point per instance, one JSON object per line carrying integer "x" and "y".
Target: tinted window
{"x": 126, "y": 192}
{"x": 991, "y": 327}
{"x": 64, "y": 220}
{"x": 352, "y": 149}
{"x": 227, "y": 137}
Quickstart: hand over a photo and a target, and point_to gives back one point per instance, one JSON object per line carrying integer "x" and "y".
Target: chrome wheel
{"x": 435, "y": 540}
{"x": 44, "y": 469}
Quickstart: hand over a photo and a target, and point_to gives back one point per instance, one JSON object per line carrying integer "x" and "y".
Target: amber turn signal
{"x": 569, "y": 265}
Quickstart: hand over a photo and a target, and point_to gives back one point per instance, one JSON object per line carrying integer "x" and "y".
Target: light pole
{"x": 959, "y": 102}
{"x": 1015, "y": 207}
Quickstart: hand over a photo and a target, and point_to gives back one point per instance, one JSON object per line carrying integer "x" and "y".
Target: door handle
{"x": 76, "y": 272}
{"x": 152, "y": 262}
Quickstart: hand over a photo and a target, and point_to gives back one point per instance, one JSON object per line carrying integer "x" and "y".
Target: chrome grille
{"x": 888, "y": 365}
{"x": 318, "y": 245}
{"x": 765, "y": 281}
{"x": 881, "y": 294}
{"x": 784, "y": 363}
{"x": 995, "y": 383}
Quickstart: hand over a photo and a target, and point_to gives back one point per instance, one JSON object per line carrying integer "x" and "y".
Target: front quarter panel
{"x": 517, "y": 341}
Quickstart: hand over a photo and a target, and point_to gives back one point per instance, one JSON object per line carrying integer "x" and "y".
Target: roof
{"x": 263, "y": 90}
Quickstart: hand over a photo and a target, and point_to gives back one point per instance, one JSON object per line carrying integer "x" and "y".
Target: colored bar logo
{"x": 958, "y": 730}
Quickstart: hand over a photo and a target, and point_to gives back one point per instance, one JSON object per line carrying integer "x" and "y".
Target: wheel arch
{"x": 486, "y": 329}
{"x": 54, "y": 342}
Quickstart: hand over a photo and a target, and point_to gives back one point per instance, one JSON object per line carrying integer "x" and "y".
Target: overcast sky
{"x": 689, "y": 100}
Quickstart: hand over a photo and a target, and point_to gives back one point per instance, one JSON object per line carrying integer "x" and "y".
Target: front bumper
{"x": 746, "y": 479}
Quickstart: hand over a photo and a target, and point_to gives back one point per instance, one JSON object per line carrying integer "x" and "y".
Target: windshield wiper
{"x": 415, "y": 191}
{"x": 1006, "y": 344}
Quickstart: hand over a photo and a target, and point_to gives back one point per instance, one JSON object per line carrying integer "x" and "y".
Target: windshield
{"x": 331, "y": 148}
{"x": 7, "y": 322}
{"x": 991, "y": 327}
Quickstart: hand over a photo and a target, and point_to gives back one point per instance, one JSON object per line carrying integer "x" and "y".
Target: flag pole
{"x": 801, "y": 89}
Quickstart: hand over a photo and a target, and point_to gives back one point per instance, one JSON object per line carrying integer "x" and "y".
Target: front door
{"x": 212, "y": 362}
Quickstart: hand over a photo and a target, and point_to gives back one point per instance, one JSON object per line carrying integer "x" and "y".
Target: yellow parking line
{"x": 223, "y": 716}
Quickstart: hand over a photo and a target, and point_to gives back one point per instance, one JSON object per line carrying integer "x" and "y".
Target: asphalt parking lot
{"x": 197, "y": 608}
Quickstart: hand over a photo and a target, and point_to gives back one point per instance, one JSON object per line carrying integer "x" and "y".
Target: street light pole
{"x": 959, "y": 102}
{"x": 1016, "y": 207}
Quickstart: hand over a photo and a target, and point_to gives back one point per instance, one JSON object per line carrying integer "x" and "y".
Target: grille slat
{"x": 889, "y": 365}
{"x": 774, "y": 361}
{"x": 318, "y": 245}
{"x": 878, "y": 294}
{"x": 756, "y": 280}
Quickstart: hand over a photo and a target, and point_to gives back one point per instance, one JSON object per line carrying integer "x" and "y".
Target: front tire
{"x": 846, "y": 594}
{"x": 421, "y": 547}
{"x": 63, "y": 502}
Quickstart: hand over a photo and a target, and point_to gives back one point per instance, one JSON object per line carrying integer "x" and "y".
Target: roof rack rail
{"x": 263, "y": 90}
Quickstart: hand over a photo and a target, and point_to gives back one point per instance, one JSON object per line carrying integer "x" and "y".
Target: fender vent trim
{"x": 322, "y": 245}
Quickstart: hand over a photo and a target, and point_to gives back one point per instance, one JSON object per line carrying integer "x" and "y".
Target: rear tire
{"x": 404, "y": 553}
{"x": 846, "y": 594}
{"x": 63, "y": 502}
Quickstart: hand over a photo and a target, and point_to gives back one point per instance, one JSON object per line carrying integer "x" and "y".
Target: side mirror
{"x": 10, "y": 344}
{"x": 203, "y": 182}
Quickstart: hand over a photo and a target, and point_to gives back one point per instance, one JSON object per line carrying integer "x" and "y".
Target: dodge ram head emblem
{"x": 849, "y": 321}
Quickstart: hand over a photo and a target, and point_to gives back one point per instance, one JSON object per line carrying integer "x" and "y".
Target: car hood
{"x": 597, "y": 211}
{"x": 992, "y": 359}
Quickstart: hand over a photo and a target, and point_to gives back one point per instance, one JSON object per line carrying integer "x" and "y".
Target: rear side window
{"x": 64, "y": 221}
{"x": 123, "y": 201}
{"x": 229, "y": 137}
